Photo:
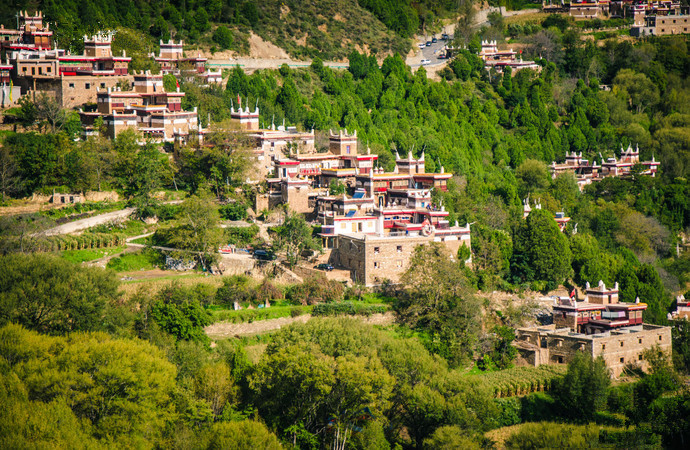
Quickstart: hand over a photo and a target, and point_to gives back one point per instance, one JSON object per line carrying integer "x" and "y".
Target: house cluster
{"x": 661, "y": 17}
{"x": 148, "y": 108}
{"x": 172, "y": 60}
{"x": 587, "y": 173}
{"x": 35, "y": 63}
{"x": 500, "y": 59}
{"x": 600, "y": 326}
{"x": 372, "y": 228}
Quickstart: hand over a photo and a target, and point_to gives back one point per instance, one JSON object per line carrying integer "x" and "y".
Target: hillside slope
{"x": 330, "y": 29}
{"x": 325, "y": 28}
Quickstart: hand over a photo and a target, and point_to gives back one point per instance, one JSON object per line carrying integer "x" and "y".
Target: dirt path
{"x": 224, "y": 330}
{"x": 83, "y": 224}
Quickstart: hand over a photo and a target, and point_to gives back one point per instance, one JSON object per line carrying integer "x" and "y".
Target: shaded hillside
{"x": 325, "y": 28}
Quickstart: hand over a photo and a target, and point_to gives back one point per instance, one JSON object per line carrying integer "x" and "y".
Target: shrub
{"x": 237, "y": 288}
{"x": 346, "y": 308}
{"x": 233, "y": 211}
{"x": 268, "y": 291}
{"x": 223, "y": 37}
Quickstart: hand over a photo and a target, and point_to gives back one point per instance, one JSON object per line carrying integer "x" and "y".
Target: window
{"x": 71, "y": 85}
{"x": 50, "y": 69}
{"x": 376, "y": 250}
{"x": 639, "y": 341}
{"x": 621, "y": 343}
{"x": 660, "y": 338}
{"x": 560, "y": 360}
{"x": 639, "y": 357}
{"x": 359, "y": 226}
{"x": 347, "y": 149}
{"x": 622, "y": 360}
{"x": 399, "y": 263}
{"x": 87, "y": 85}
{"x": 33, "y": 71}
{"x": 40, "y": 71}
{"x": 399, "y": 248}
{"x": 603, "y": 346}
{"x": 102, "y": 85}
{"x": 377, "y": 265}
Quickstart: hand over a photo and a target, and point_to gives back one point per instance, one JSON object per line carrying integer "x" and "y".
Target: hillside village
{"x": 516, "y": 232}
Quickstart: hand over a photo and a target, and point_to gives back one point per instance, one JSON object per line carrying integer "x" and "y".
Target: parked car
{"x": 428, "y": 43}
{"x": 324, "y": 266}
{"x": 426, "y": 62}
{"x": 444, "y": 36}
{"x": 264, "y": 255}
{"x": 433, "y": 40}
{"x": 441, "y": 56}
{"x": 422, "y": 45}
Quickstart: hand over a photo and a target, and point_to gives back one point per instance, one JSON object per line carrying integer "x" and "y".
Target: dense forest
{"x": 90, "y": 358}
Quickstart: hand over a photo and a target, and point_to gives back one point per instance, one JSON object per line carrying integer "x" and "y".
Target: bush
{"x": 346, "y": 309}
{"x": 268, "y": 291}
{"x": 233, "y": 211}
{"x": 237, "y": 288}
{"x": 553, "y": 435}
{"x": 315, "y": 289}
{"x": 510, "y": 411}
{"x": 223, "y": 37}
{"x": 241, "y": 236}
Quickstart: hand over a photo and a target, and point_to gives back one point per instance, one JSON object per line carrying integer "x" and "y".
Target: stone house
{"x": 600, "y": 326}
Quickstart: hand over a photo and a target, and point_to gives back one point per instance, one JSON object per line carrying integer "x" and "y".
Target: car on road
{"x": 324, "y": 266}
{"x": 264, "y": 255}
{"x": 428, "y": 43}
{"x": 426, "y": 62}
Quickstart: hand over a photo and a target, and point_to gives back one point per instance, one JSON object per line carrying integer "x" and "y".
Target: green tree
{"x": 169, "y": 82}
{"x": 121, "y": 390}
{"x": 143, "y": 173}
{"x": 439, "y": 301}
{"x": 294, "y": 236}
{"x": 450, "y": 437}
{"x": 223, "y": 37}
{"x": 582, "y": 390}
{"x": 198, "y": 231}
{"x": 48, "y": 294}
{"x": 244, "y": 435}
{"x": 541, "y": 251}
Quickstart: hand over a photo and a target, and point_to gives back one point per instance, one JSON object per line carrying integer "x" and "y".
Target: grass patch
{"x": 81, "y": 210}
{"x": 80, "y": 256}
{"x": 152, "y": 285}
{"x": 146, "y": 259}
{"x": 128, "y": 228}
{"x": 143, "y": 240}
{"x": 526, "y": 18}
{"x": 254, "y": 315}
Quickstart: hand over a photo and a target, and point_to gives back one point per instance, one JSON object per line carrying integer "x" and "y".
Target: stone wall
{"x": 75, "y": 91}
{"x": 297, "y": 198}
{"x": 619, "y": 348}
{"x": 374, "y": 259}
{"x": 672, "y": 25}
